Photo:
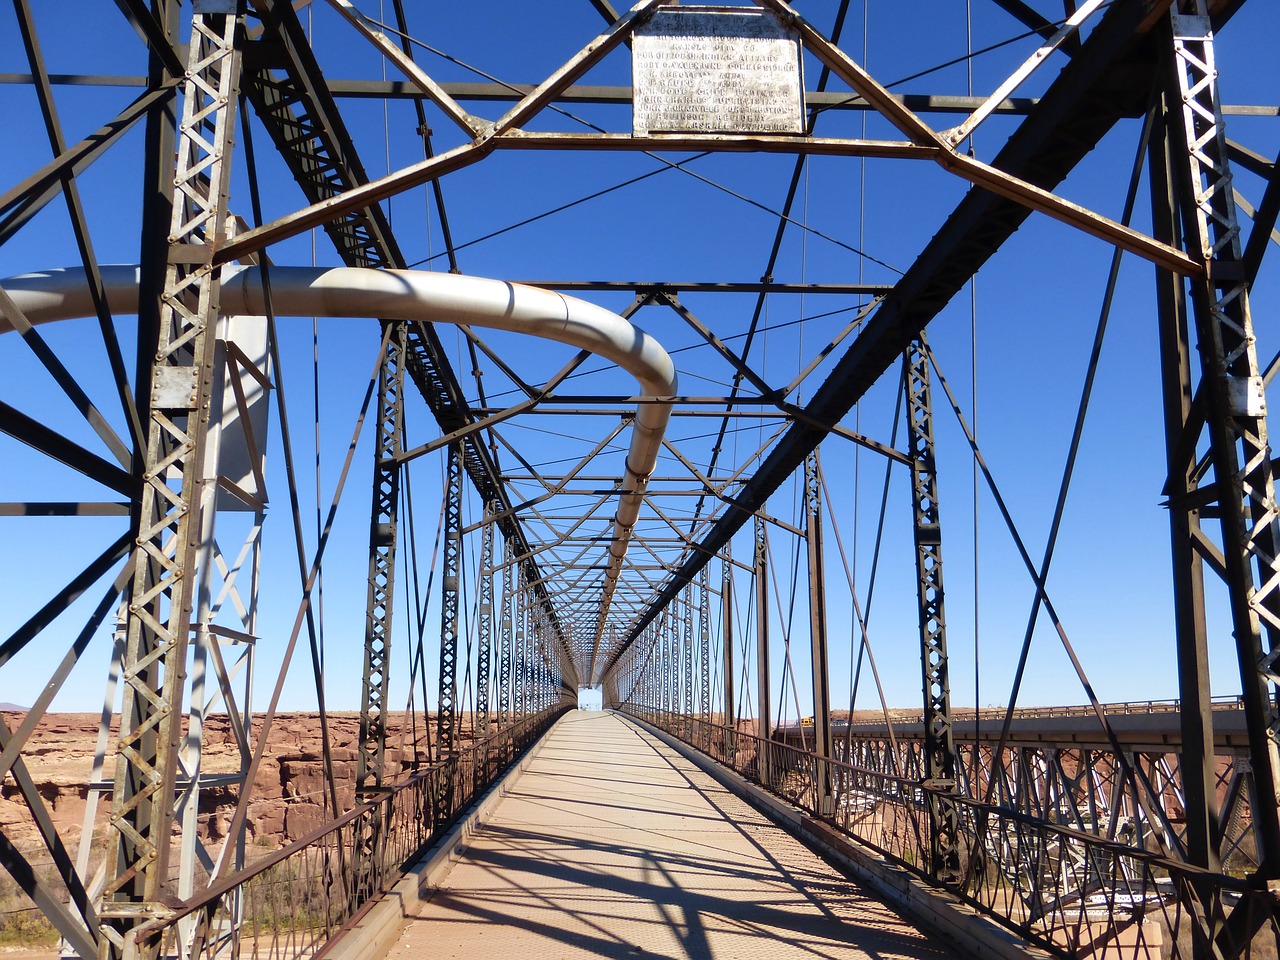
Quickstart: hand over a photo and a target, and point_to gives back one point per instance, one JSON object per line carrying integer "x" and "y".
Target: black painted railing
{"x": 1072, "y": 893}
{"x": 290, "y": 903}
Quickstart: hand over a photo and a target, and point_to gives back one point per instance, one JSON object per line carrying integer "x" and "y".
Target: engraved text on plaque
{"x": 700, "y": 70}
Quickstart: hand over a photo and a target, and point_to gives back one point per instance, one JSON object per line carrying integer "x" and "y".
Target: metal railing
{"x": 291, "y": 903}
{"x": 1069, "y": 892}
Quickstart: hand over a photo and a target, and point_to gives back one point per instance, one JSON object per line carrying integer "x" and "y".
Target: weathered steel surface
{"x": 716, "y": 72}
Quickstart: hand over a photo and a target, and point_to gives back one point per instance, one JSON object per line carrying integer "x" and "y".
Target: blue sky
{"x": 1037, "y": 304}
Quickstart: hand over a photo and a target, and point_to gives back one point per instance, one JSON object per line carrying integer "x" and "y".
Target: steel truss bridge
{"x": 642, "y": 484}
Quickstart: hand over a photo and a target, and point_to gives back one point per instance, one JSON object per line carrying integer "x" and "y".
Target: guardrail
{"x": 292, "y": 902}
{"x": 1069, "y": 892}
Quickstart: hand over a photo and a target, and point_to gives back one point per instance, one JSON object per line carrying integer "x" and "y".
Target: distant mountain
{"x": 13, "y": 707}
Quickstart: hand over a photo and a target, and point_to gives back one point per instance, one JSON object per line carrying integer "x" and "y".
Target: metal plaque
{"x": 716, "y": 70}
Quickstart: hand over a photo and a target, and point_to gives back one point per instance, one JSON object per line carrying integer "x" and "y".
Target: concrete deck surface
{"x": 611, "y": 845}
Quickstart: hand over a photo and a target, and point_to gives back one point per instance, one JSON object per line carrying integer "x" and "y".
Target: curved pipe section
{"x": 432, "y": 297}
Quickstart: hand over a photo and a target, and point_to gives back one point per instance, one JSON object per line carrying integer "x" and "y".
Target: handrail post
{"x": 825, "y": 801}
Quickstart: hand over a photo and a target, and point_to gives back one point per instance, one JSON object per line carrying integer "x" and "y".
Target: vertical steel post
{"x": 447, "y": 710}
{"x": 638, "y": 688}
{"x": 818, "y": 634}
{"x": 664, "y": 666}
{"x": 520, "y": 657}
{"x": 660, "y": 665}
{"x": 484, "y": 628}
{"x": 163, "y": 565}
{"x": 688, "y": 653}
{"x": 531, "y": 656}
{"x": 157, "y": 212}
{"x": 544, "y": 661}
{"x": 484, "y": 644}
{"x": 535, "y": 660}
{"x": 505, "y": 635}
{"x": 1236, "y": 411}
{"x": 676, "y": 654}
{"x": 383, "y": 527}
{"x": 939, "y": 743}
{"x": 677, "y": 657}
{"x": 726, "y": 629}
{"x": 1182, "y": 429}
{"x": 764, "y": 713}
{"x": 704, "y": 643}
{"x": 650, "y": 665}
{"x": 659, "y": 655}
{"x": 655, "y": 659}
{"x": 655, "y": 691}
{"x": 651, "y": 670}
{"x": 641, "y": 692}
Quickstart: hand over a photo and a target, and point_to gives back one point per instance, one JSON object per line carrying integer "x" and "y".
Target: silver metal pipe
{"x": 436, "y": 298}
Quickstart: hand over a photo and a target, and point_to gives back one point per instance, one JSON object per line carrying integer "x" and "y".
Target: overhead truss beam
{"x": 1110, "y": 77}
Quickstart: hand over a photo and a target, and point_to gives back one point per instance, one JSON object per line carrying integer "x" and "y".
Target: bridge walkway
{"x": 613, "y": 845}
